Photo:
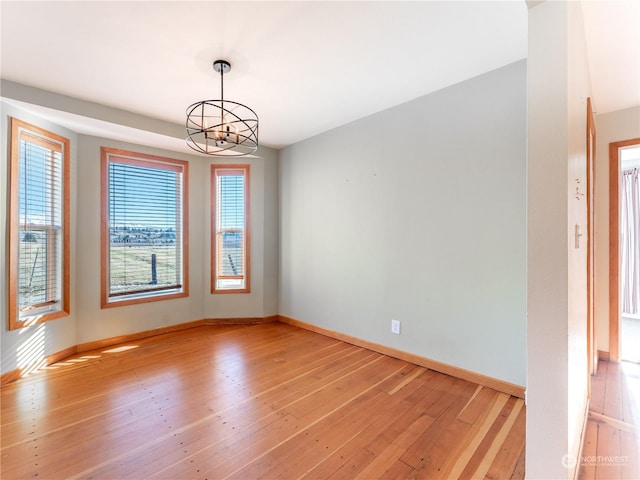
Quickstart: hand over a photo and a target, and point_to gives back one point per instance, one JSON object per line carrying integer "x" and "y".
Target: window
{"x": 39, "y": 226}
{"x": 144, "y": 225}
{"x": 230, "y": 229}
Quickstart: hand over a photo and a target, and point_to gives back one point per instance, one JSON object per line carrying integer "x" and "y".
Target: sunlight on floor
{"x": 31, "y": 357}
{"x": 123, "y": 348}
{"x": 64, "y": 363}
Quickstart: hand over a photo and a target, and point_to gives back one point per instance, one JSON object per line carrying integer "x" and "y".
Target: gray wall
{"x": 88, "y": 322}
{"x": 418, "y": 214}
{"x": 97, "y": 323}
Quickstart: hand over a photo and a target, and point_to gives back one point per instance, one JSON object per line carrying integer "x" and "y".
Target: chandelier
{"x": 222, "y": 127}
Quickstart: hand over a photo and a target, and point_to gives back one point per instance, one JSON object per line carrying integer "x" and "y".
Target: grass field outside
{"x": 32, "y": 270}
{"x": 131, "y": 267}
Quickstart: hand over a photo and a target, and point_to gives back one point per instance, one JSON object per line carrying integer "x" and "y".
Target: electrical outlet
{"x": 395, "y": 327}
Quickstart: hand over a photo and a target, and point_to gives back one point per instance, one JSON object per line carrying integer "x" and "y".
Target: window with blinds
{"x": 39, "y": 225}
{"x": 230, "y": 229}
{"x": 144, "y": 227}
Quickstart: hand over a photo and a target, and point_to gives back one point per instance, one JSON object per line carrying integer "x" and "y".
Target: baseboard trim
{"x": 496, "y": 384}
{"x": 576, "y": 467}
{"x": 603, "y": 355}
{"x": 108, "y": 342}
{"x": 132, "y": 337}
{"x": 48, "y": 360}
{"x": 241, "y": 321}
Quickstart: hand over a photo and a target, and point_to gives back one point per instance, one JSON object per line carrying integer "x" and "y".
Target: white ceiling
{"x": 613, "y": 43}
{"x": 304, "y": 67}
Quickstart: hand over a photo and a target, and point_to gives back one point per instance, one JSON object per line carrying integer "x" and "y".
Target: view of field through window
{"x": 231, "y": 236}
{"x": 32, "y": 265}
{"x": 132, "y": 265}
{"x": 144, "y": 233}
{"x": 40, "y": 222}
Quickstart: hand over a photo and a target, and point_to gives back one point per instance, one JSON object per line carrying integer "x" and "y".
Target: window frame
{"x": 245, "y": 168}
{"x": 109, "y": 155}
{"x": 46, "y": 139}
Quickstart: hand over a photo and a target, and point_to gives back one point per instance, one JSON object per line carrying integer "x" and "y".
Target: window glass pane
{"x": 40, "y": 207}
{"x": 38, "y": 215}
{"x": 144, "y": 207}
{"x": 231, "y": 225}
{"x": 230, "y": 257}
{"x": 145, "y": 239}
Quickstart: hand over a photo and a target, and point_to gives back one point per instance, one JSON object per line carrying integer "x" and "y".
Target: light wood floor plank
{"x": 589, "y": 450}
{"x": 498, "y": 441}
{"x": 630, "y": 454}
{"x": 507, "y": 460}
{"x": 519, "y": 471}
{"x": 613, "y": 393}
{"x": 598, "y": 388}
{"x": 630, "y": 392}
{"x": 612, "y": 440}
{"x": 261, "y": 401}
{"x": 476, "y": 435}
{"x": 376, "y": 436}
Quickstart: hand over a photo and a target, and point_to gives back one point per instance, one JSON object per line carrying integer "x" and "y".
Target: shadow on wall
{"x": 30, "y": 354}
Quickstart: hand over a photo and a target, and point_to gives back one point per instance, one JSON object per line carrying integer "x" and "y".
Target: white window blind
{"x": 40, "y": 222}
{"x": 39, "y": 210}
{"x": 146, "y": 228}
{"x": 230, "y": 190}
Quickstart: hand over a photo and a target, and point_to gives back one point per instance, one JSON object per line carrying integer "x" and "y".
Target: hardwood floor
{"x": 612, "y": 437}
{"x": 262, "y": 401}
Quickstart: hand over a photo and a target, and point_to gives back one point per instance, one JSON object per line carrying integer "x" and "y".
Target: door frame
{"x": 592, "y": 346}
{"x": 614, "y": 245}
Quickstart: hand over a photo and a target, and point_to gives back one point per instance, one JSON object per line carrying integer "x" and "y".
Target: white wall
{"x": 579, "y": 89}
{"x": 416, "y": 213}
{"x": 610, "y": 127}
{"x": 558, "y": 88}
{"x": 88, "y": 322}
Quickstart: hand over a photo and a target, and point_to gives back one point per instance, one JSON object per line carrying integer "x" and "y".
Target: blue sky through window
{"x": 38, "y": 189}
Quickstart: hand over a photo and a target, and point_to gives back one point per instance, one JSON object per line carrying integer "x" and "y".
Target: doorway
{"x": 624, "y": 251}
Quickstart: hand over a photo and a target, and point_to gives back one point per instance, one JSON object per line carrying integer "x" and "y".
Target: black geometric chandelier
{"x": 222, "y": 127}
